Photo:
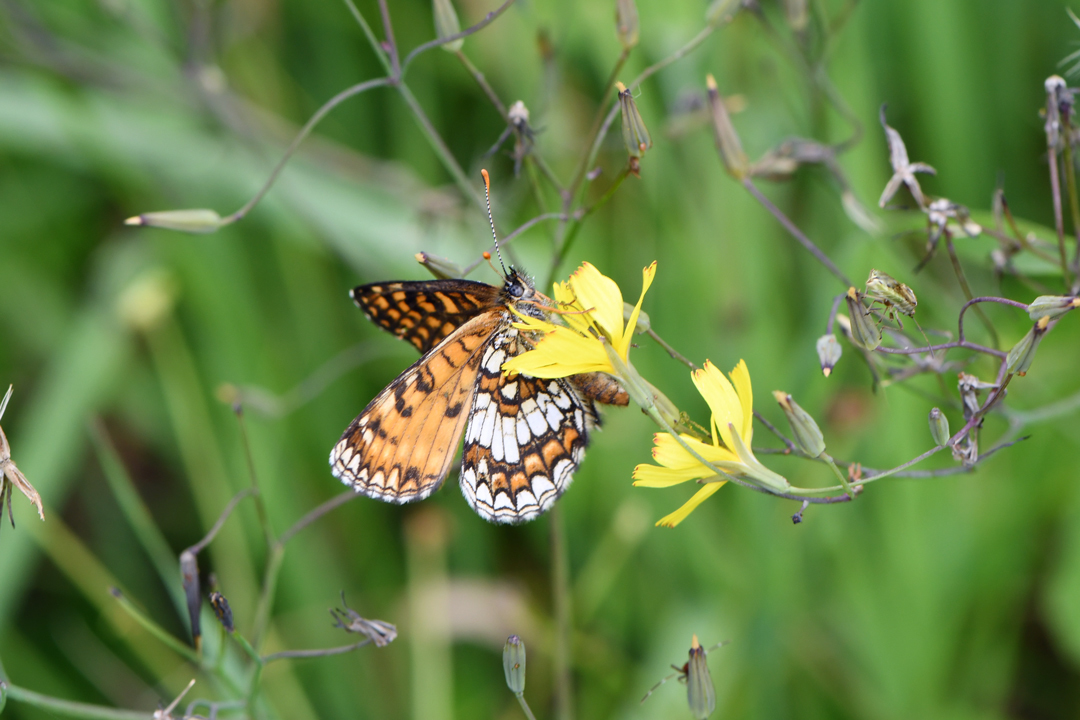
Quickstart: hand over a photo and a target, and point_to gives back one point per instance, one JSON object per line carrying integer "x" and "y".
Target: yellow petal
{"x": 740, "y": 378}
{"x": 601, "y": 295}
{"x": 699, "y": 497}
{"x": 560, "y": 353}
{"x": 654, "y": 476}
{"x": 623, "y": 344}
{"x": 722, "y": 399}
{"x": 669, "y": 453}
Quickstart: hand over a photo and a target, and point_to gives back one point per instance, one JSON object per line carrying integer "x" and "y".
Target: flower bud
{"x": 189, "y": 574}
{"x": 626, "y": 23}
{"x": 807, "y": 433}
{"x": 939, "y": 427}
{"x": 1051, "y": 306}
{"x": 864, "y": 331}
{"x": 223, "y": 611}
{"x": 727, "y": 140}
{"x": 514, "y": 664}
{"x": 700, "y": 693}
{"x": 441, "y": 268}
{"x": 446, "y": 24}
{"x": 828, "y": 352}
{"x": 3, "y": 695}
{"x": 635, "y": 134}
{"x": 189, "y": 221}
{"x": 1023, "y": 353}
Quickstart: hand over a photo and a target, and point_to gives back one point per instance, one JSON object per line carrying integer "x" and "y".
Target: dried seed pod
{"x": 447, "y": 24}
{"x": 189, "y": 573}
{"x": 200, "y": 221}
{"x": 864, "y": 331}
{"x": 514, "y": 664}
{"x": 806, "y": 431}
{"x": 727, "y": 140}
{"x": 626, "y": 23}
{"x": 440, "y": 267}
{"x": 829, "y": 352}
{"x": 1051, "y": 306}
{"x": 939, "y": 427}
{"x": 1023, "y": 353}
{"x": 635, "y": 135}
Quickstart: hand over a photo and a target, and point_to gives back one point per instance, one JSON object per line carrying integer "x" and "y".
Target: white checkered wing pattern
{"x": 524, "y": 440}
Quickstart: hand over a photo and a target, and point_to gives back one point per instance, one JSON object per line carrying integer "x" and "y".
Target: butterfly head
{"x": 518, "y": 290}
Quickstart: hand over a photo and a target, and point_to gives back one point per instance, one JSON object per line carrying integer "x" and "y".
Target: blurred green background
{"x": 955, "y": 597}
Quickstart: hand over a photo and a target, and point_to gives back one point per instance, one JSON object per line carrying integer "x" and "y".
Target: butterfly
{"x": 524, "y": 436}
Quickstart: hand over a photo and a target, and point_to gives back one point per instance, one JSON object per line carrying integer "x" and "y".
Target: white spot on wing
{"x": 525, "y": 499}
{"x": 496, "y": 436}
{"x": 541, "y": 486}
{"x": 509, "y": 441}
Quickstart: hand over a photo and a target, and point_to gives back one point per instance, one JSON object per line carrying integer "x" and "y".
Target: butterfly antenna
{"x": 491, "y": 220}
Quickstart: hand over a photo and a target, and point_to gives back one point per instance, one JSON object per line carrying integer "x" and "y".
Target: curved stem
{"x": 987, "y": 298}
{"x": 488, "y": 19}
{"x": 304, "y": 132}
{"x": 69, "y": 708}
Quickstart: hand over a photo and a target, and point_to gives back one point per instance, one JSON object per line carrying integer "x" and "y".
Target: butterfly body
{"x": 524, "y": 436}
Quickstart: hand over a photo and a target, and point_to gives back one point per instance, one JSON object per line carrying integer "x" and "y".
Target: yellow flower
{"x": 596, "y": 317}
{"x": 731, "y": 425}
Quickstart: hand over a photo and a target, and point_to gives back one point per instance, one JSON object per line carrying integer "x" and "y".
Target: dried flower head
{"x": 10, "y": 475}
{"x": 379, "y": 632}
{"x": 903, "y": 169}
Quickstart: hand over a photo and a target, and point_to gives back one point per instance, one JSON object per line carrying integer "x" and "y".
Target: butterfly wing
{"x": 525, "y": 438}
{"x": 424, "y": 313}
{"x": 400, "y": 447}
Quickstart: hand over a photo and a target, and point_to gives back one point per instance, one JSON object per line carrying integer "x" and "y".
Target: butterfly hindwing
{"x": 525, "y": 438}
{"x": 400, "y": 447}
{"x": 425, "y": 312}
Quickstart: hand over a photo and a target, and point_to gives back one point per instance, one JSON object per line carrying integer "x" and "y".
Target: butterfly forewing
{"x": 423, "y": 313}
{"x": 525, "y": 438}
{"x": 400, "y": 447}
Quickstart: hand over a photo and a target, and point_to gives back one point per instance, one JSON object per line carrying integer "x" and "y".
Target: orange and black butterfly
{"x": 524, "y": 437}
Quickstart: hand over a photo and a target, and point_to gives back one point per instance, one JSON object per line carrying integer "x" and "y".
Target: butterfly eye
{"x": 516, "y": 289}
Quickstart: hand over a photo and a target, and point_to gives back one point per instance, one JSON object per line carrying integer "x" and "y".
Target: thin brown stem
{"x": 483, "y": 83}
{"x": 962, "y": 279}
{"x": 304, "y": 132}
{"x": 560, "y": 578}
{"x": 326, "y": 652}
{"x": 813, "y": 249}
{"x": 488, "y": 19}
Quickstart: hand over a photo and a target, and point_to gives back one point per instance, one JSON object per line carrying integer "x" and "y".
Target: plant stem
{"x": 525, "y": 706}
{"x": 560, "y": 580}
{"x": 154, "y": 629}
{"x": 962, "y": 279}
{"x": 813, "y": 249}
{"x": 68, "y": 708}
